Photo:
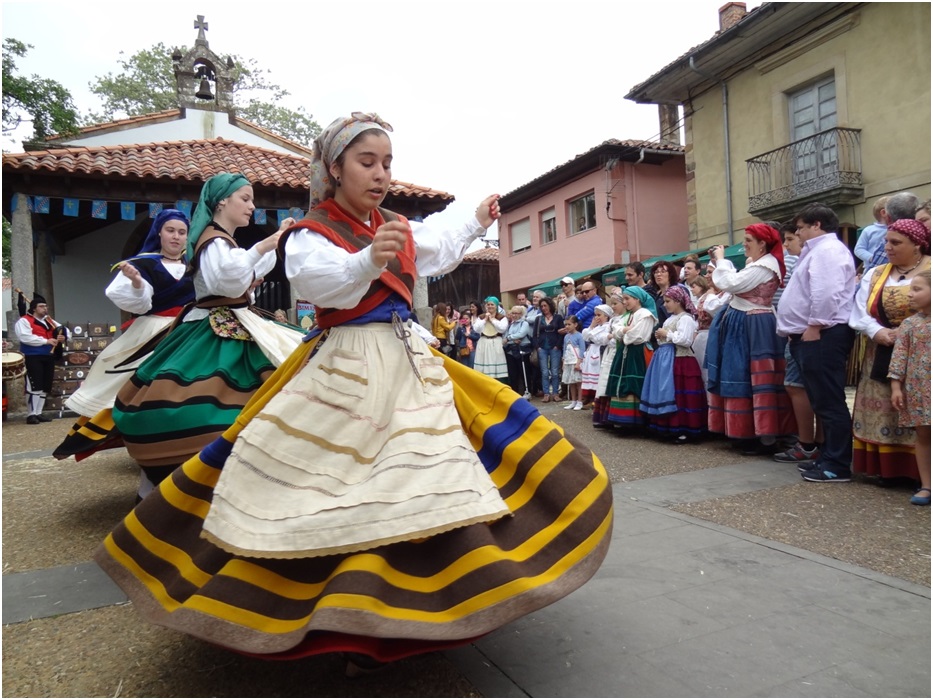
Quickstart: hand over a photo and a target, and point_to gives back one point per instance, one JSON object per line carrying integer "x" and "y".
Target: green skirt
{"x": 187, "y": 393}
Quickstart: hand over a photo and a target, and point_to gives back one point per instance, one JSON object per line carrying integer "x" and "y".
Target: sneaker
{"x": 32, "y": 420}
{"x": 823, "y": 475}
{"x": 798, "y": 454}
{"x": 570, "y": 406}
{"x": 578, "y": 406}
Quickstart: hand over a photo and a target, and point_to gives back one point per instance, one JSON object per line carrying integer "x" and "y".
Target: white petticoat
{"x": 355, "y": 451}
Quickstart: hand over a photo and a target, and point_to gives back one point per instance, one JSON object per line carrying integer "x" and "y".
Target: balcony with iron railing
{"x": 825, "y": 167}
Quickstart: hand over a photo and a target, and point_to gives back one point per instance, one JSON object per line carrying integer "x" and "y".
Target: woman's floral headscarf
{"x": 915, "y": 231}
{"x": 331, "y": 143}
{"x": 680, "y": 294}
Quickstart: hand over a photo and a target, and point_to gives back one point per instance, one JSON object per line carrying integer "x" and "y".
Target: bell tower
{"x": 203, "y": 80}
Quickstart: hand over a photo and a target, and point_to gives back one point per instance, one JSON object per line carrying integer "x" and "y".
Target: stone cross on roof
{"x": 201, "y": 26}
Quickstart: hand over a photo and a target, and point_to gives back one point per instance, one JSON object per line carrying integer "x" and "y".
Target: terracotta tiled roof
{"x": 490, "y": 254}
{"x": 187, "y": 160}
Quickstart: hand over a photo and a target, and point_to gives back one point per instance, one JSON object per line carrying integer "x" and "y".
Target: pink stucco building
{"x": 618, "y": 202}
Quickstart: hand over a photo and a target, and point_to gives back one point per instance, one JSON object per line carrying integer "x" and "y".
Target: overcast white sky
{"x": 484, "y": 96}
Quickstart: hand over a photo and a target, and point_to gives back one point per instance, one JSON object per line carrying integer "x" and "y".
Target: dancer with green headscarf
{"x": 218, "y": 353}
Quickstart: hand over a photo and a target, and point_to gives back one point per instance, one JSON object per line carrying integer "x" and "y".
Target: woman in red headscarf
{"x": 882, "y": 448}
{"x": 744, "y": 355}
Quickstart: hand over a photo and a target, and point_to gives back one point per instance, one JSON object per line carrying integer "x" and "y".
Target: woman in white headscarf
{"x": 375, "y": 497}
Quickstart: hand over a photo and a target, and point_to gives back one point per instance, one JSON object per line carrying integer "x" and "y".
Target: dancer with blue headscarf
{"x": 151, "y": 286}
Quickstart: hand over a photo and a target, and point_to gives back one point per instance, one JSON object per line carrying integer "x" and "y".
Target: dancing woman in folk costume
{"x": 374, "y": 497}
{"x": 744, "y": 354}
{"x": 153, "y": 287}
{"x": 882, "y": 448}
{"x": 218, "y": 352}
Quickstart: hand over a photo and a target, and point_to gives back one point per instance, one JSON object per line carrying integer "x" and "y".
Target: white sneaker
{"x": 570, "y": 405}
{"x": 578, "y": 406}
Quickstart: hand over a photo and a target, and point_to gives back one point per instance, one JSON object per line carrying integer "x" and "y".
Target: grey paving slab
{"x": 682, "y": 607}
{"x": 65, "y": 589}
{"x": 34, "y": 454}
{"x": 704, "y": 484}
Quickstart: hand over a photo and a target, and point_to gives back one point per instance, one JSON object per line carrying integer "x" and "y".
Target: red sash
{"x": 344, "y": 230}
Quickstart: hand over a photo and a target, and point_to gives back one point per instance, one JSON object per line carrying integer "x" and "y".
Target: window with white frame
{"x": 548, "y": 226}
{"x": 520, "y": 235}
{"x": 583, "y": 213}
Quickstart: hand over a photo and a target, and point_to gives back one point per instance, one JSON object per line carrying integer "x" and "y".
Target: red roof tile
{"x": 187, "y": 160}
{"x": 490, "y": 254}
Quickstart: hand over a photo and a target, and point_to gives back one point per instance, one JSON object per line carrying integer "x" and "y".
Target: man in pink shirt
{"x": 814, "y": 316}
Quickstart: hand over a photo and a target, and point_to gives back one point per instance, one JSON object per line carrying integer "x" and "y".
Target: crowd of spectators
{"x": 759, "y": 354}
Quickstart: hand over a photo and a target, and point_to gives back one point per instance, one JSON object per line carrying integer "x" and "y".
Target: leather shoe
{"x": 43, "y": 419}
{"x": 32, "y": 420}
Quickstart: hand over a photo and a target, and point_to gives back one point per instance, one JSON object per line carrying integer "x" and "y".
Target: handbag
{"x": 464, "y": 351}
{"x": 881, "y": 363}
{"x": 534, "y": 358}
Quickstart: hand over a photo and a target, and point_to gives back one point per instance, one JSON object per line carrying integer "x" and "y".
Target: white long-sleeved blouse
{"x": 334, "y": 278}
{"x": 138, "y": 301}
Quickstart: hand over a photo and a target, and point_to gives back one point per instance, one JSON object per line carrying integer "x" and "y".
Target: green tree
{"x": 146, "y": 84}
{"x": 7, "y": 238}
{"x": 46, "y": 103}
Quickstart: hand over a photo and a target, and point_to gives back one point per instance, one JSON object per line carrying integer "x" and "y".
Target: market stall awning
{"x": 552, "y": 287}
{"x": 735, "y": 253}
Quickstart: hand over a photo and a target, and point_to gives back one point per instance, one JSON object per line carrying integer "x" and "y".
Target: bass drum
{"x": 14, "y": 365}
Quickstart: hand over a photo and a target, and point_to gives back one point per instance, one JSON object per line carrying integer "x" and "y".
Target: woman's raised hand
{"x": 390, "y": 238}
{"x": 488, "y": 211}
{"x": 132, "y": 274}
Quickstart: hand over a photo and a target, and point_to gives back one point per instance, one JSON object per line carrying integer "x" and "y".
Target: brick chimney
{"x": 730, "y": 14}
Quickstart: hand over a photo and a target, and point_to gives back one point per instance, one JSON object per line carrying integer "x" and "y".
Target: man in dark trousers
{"x": 38, "y": 335}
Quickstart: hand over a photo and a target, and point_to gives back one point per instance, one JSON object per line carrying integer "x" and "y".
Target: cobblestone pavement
{"x": 56, "y": 513}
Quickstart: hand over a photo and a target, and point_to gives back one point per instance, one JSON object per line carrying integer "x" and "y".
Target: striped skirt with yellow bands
{"x": 390, "y": 601}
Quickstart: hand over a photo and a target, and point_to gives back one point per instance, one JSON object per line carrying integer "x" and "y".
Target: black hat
{"x": 36, "y": 300}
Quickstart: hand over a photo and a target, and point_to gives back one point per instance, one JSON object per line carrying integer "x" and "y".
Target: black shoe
{"x": 755, "y": 447}
{"x": 32, "y": 420}
{"x": 43, "y": 419}
{"x": 822, "y": 475}
{"x": 361, "y": 665}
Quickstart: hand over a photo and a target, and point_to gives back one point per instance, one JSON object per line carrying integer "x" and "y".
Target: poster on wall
{"x": 304, "y": 312}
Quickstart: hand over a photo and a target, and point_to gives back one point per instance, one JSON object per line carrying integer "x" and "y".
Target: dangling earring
{"x": 338, "y": 181}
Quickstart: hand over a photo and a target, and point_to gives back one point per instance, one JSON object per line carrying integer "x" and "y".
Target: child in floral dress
{"x": 909, "y": 372}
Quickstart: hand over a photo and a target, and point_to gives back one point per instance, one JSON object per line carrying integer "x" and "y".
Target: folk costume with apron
{"x": 881, "y": 447}
{"x": 374, "y": 496}
{"x": 744, "y": 355}
{"x": 166, "y": 290}
{"x": 217, "y": 354}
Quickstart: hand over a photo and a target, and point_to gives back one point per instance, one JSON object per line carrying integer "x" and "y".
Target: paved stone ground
{"x": 728, "y": 576}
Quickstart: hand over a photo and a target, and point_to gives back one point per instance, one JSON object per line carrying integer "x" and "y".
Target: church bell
{"x": 204, "y": 91}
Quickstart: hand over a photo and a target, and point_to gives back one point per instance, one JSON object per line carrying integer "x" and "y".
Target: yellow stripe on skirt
{"x": 391, "y": 600}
